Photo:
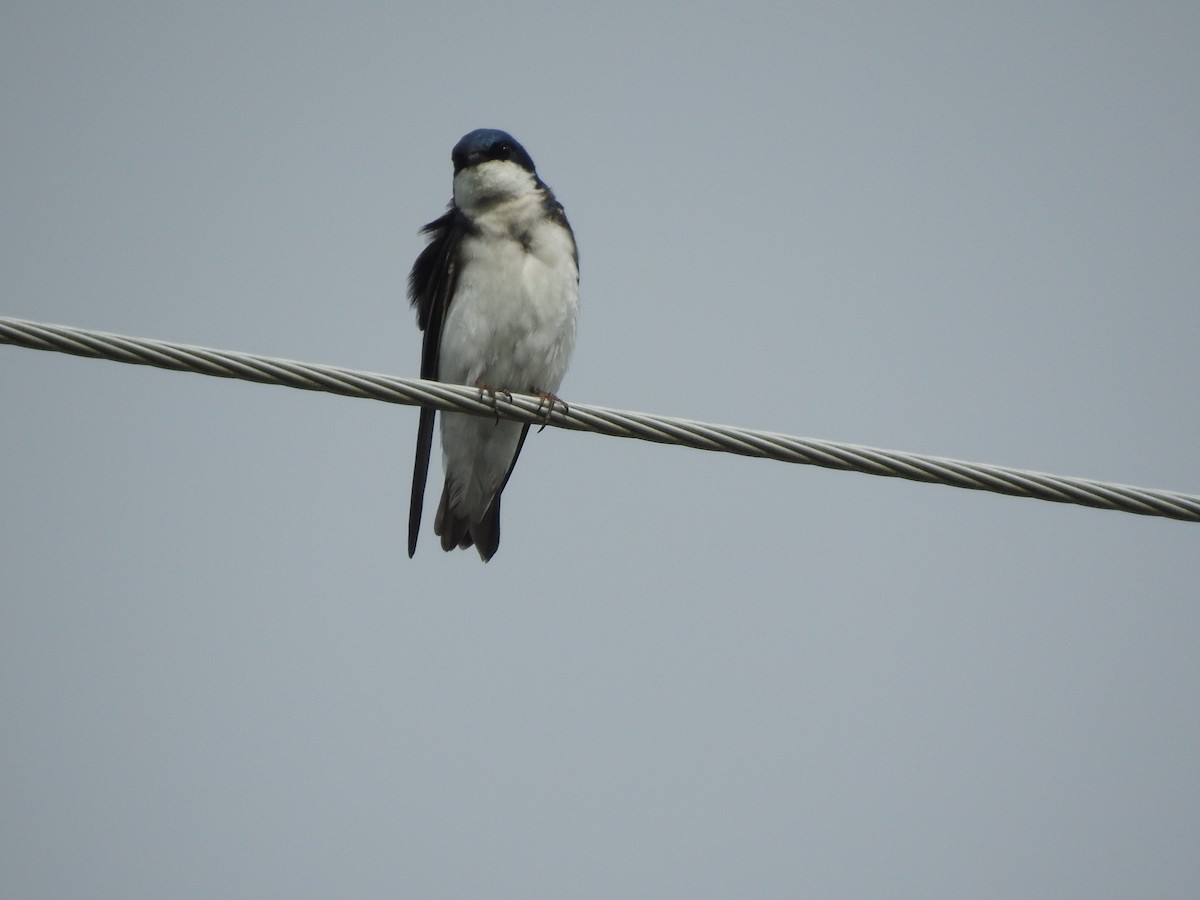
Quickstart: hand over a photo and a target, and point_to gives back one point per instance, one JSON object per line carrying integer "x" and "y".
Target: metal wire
{"x": 612, "y": 422}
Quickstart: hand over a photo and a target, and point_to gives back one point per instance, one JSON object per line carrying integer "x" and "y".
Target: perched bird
{"x": 496, "y": 291}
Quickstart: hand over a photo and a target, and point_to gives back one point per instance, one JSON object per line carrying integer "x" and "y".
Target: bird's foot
{"x": 491, "y": 390}
{"x": 549, "y": 400}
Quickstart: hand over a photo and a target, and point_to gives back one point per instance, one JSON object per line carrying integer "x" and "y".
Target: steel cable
{"x": 612, "y": 422}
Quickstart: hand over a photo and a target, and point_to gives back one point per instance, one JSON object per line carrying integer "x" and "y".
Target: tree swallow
{"x": 496, "y": 291}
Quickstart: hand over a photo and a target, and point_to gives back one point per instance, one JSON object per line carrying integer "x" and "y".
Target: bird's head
{"x": 490, "y": 166}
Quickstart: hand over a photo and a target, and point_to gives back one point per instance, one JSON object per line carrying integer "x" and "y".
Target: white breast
{"x": 511, "y": 323}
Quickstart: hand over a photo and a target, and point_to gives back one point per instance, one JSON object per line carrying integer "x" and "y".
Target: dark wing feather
{"x": 555, "y": 213}
{"x": 430, "y": 287}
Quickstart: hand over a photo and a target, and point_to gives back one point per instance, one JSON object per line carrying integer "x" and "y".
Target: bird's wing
{"x": 430, "y": 288}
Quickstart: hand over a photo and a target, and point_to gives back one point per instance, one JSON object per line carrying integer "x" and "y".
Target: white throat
{"x": 483, "y": 185}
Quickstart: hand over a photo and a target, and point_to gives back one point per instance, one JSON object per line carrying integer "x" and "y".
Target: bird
{"x": 496, "y": 292}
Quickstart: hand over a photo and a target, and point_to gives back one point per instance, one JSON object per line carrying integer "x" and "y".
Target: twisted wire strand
{"x": 598, "y": 419}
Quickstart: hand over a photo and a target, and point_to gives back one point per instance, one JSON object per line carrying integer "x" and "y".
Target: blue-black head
{"x": 485, "y": 144}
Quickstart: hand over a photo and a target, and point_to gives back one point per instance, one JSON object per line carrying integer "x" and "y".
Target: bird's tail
{"x": 457, "y": 530}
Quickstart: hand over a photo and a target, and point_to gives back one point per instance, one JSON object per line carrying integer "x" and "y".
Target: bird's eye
{"x": 502, "y": 151}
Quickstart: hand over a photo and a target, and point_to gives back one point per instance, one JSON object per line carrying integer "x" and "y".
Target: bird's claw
{"x": 549, "y": 400}
{"x": 485, "y": 388}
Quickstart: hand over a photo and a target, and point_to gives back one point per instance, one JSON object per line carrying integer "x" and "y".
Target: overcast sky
{"x": 969, "y": 231}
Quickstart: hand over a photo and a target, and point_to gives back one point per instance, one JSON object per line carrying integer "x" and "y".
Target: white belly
{"x": 512, "y": 320}
{"x": 511, "y": 326}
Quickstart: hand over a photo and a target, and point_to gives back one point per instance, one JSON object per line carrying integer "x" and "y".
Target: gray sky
{"x": 969, "y": 231}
